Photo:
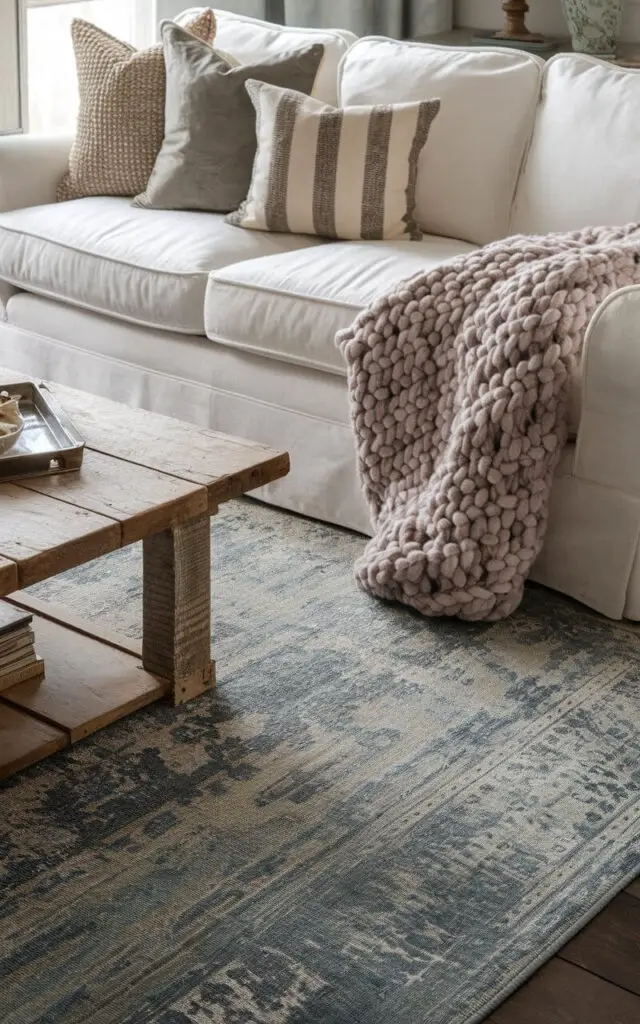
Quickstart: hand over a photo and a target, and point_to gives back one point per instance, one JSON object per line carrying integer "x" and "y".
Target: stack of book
{"x": 18, "y": 658}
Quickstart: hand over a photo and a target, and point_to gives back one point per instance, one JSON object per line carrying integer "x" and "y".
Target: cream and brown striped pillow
{"x": 342, "y": 173}
{"x": 121, "y": 117}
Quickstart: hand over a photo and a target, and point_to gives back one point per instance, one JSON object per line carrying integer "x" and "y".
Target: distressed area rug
{"x": 377, "y": 819}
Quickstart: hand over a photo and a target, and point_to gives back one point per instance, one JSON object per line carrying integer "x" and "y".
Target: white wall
{"x": 544, "y": 16}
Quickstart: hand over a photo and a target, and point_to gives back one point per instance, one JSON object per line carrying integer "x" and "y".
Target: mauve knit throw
{"x": 459, "y": 390}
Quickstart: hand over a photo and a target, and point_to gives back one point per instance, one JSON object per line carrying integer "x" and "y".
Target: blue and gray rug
{"x": 377, "y": 819}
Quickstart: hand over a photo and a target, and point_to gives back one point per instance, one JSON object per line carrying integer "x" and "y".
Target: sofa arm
{"x": 608, "y": 443}
{"x": 30, "y": 168}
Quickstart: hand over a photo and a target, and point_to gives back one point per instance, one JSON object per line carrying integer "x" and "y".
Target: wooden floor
{"x": 594, "y": 979}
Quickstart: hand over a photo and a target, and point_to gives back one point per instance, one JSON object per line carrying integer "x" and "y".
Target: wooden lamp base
{"x": 515, "y": 32}
{"x": 515, "y": 27}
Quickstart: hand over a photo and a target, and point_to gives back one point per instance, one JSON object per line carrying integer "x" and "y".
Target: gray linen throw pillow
{"x": 206, "y": 159}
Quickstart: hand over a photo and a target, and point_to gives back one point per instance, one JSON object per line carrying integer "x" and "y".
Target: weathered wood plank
{"x": 87, "y": 684}
{"x": 44, "y": 536}
{"x": 560, "y": 993}
{"x": 142, "y": 500}
{"x": 8, "y": 576}
{"x": 176, "y": 640}
{"x": 609, "y": 946}
{"x": 227, "y": 466}
{"x": 65, "y": 617}
{"x": 25, "y": 740}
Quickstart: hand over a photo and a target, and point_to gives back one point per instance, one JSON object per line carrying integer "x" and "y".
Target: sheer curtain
{"x": 266, "y": 10}
{"x": 400, "y": 18}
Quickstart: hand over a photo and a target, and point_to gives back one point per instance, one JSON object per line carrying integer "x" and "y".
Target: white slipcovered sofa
{"x": 181, "y": 313}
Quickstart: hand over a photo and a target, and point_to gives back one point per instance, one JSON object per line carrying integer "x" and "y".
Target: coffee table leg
{"x": 176, "y": 642}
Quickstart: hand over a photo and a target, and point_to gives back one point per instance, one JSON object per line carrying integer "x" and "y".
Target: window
{"x": 10, "y": 110}
{"x": 50, "y": 73}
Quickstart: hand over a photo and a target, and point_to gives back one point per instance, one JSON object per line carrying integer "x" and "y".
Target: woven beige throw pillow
{"x": 121, "y": 117}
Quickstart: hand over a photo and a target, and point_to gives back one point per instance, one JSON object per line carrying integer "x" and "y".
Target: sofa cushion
{"x": 289, "y": 307}
{"x": 250, "y": 41}
{"x": 582, "y": 165}
{"x": 149, "y": 267}
{"x": 467, "y": 173}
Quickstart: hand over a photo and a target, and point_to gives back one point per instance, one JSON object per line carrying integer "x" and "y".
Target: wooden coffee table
{"x": 144, "y": 477}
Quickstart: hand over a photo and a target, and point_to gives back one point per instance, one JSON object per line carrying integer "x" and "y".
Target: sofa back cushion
{"x": 251, "y": 41}
{"x": 582, "y": 167}
{"x": 468, "y": 172}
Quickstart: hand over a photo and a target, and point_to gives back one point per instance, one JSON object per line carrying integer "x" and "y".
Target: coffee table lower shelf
{"x": 90, "y": 681}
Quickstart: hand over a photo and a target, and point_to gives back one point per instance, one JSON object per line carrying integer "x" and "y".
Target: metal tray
{"x": 49, "y": 443}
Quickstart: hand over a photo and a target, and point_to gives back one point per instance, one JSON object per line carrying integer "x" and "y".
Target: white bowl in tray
{"x": 11, "y": 422}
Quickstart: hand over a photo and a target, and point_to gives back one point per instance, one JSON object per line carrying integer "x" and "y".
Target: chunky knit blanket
{"x": 459, "y": 390}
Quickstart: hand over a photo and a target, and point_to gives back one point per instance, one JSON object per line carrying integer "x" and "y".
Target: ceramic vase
{"x": 594, "y": 25}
